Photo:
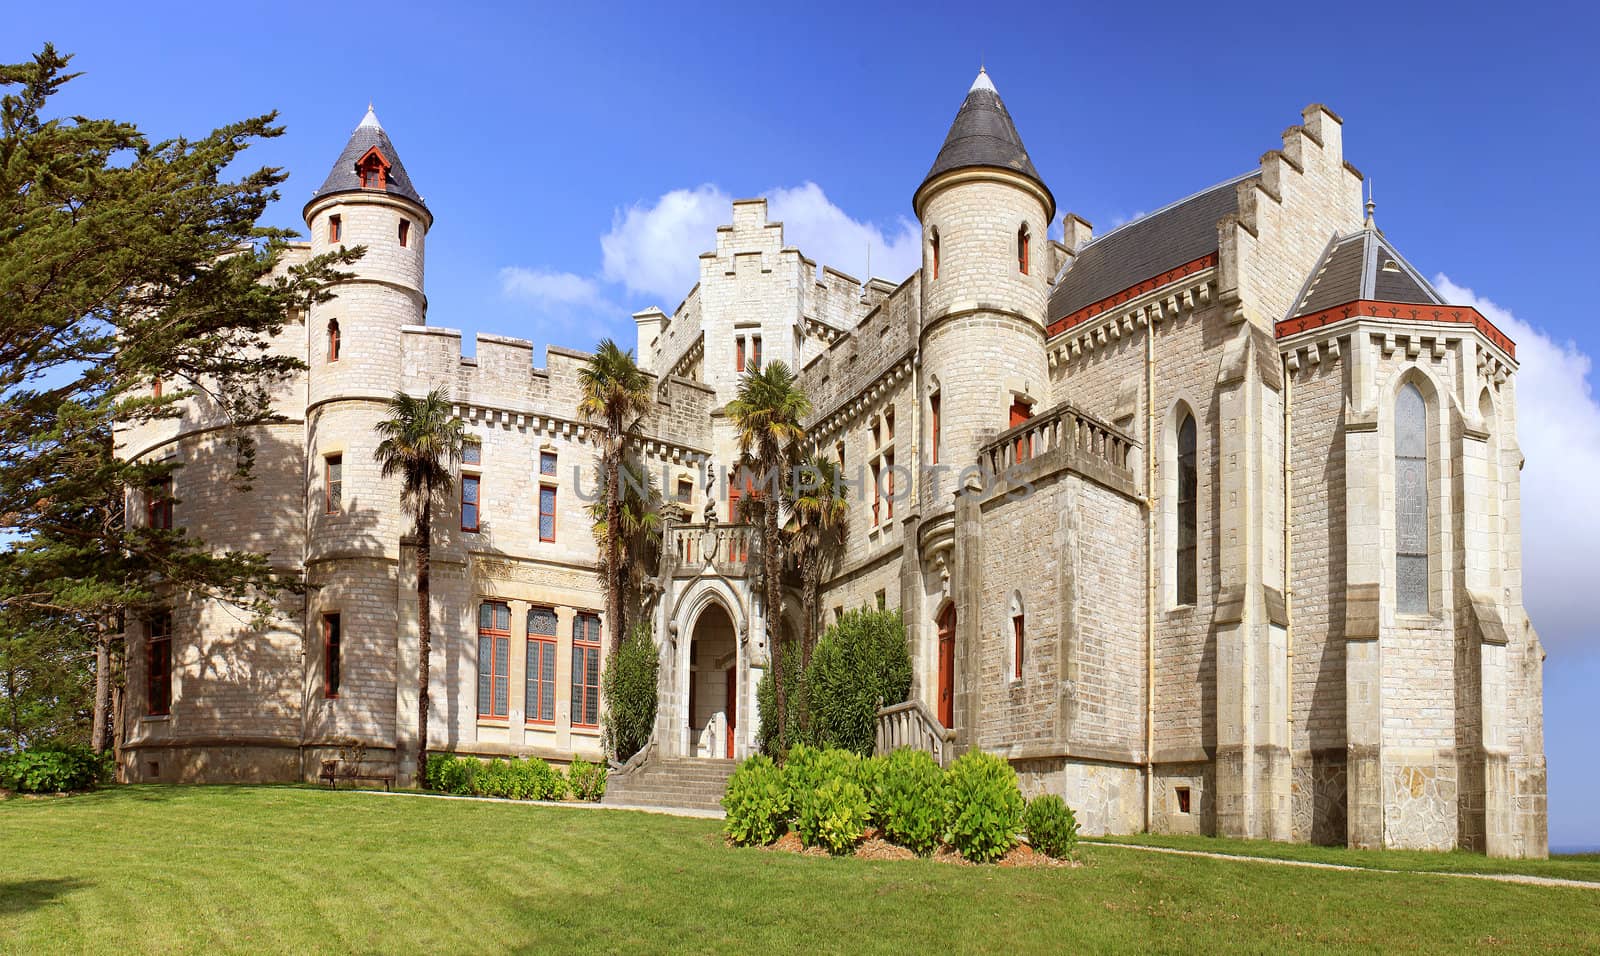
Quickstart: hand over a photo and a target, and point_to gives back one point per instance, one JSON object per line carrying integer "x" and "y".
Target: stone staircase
{"x": 676, "y": 782}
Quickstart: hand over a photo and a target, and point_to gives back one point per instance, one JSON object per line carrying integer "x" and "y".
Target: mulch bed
{"x": 874, "y": 847}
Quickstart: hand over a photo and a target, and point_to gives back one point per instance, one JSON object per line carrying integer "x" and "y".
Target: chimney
{"x": 1075, "y": 232}
{"x": 650, "y": 322}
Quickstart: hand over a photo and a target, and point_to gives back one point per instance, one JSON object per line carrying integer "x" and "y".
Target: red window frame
{"x": 755, "y": 352}
{"x": 158, "y": 664}
{"x": 1021, "y": 411}
{"x": 547, "y": 512}
{"x": 473, "y": 500}
{"x": 335, "y": 228}
{"x": 539, "y": 699}
{"x": 1017, "y": 631}
{"x": 494, "y": 648}
{"x": 333, "y": 484}
{"x": 333, "y": 341}
{"x": 933, "y": 414}
{"x": 877, "y": 492}
{"x": 888, "y": 477}
{"x": 158, "y": 504}
{"x": 586, "y": 669}
{"x": 936, "y": 253}
{"x": 738, "y": 353}
{"x": 1023, "y": 249}
{"x": 332, "y": 642}
{"x": 405, "y": 232}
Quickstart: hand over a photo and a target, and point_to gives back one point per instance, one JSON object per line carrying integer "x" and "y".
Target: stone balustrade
{"x": 913, "y": 725}
{"x": 728, "y": 548}
{"x": 1068, "y": 435}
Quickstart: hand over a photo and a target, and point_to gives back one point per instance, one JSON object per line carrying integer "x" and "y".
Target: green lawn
{"x": 1577, "y": 866}
{"x": 166, "y": 869}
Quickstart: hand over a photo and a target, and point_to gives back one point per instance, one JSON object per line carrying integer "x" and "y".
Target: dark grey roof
{"x": 342, "y": 178}
{"x": 1144, "y": 248}
{"x": 1362, "y": 265}
{"x": 984, "y": 135}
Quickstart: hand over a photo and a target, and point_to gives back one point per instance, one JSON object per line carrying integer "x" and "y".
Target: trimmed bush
{"x": 910, "y": 801}
{"x": 807, "y": 768}
{"x": 54, "y": 768}
{"x": 541, "y": 781}
{"x": 1051, "y": 825}
{"x": 757, "y": 802}
{"x": 869, "y": 777}
{"x": 585, "y": 780}
{"x": 983, "y": 806}
{"x": 497, "y": 778}
{"x": 631, "y": 694}
{"x": 834, "y": 815}
{"x": 861, "y": 661}
{"x": 450, "y": 774}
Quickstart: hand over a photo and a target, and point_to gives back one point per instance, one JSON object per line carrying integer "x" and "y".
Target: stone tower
{"x": 985, "y": 279}
{"x": 354, "y": 519}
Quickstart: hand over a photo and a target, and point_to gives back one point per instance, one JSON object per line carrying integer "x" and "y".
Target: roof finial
{"x": 1372, "y": 207}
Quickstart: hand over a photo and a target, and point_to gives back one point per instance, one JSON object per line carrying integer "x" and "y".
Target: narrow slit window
{"x": 935, "y": 244}
{"x": 335, "y": 228}
{"x": 333, "y": 340}
{"x": 1411, "y": 501}
{"x": 1183, "y": 799}
{"x": 1022, "y": 249}
{"x": 158, "y": 505}
{"x": 755, "y": 352}
{"x": 547, "y": 513}
{"x": 331, "y": 638}
{"x": 1017, "y": 637}
{"x": 158, "y": 665}
{"x": 933, "y": 425}
{"x": 738, "y": 353}
{"x": 1188, "y": 512}
{"x": 333, "y": 484}
{"x": 469, "y": 503}
{"x": 405, "y": 232}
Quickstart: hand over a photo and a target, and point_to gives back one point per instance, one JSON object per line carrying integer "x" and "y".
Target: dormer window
{"x": 1022, "y": 249}
{"x": 373, "y": 170}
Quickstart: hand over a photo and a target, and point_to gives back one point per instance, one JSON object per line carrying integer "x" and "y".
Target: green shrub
{"x": 767, "y": 703}
{"x": 870, "y": 773}
{"x": 910, "y": 802}
{"x": 585, "y": 780}
{"x": 859, "y": 663}
{"x": 834, "y": 816}
{"x": 757, "y": 802}
{"x": 983, "y": 806}
{"x": 1051, "y": 825}
{"x": 806, "y": 768}
{"x": 496, "y": 779}
{"x": 541, "y": 781}
{"x": 54, "y": 768}
{"x": 631, "y": 694}
{"x": 451, "y": 774}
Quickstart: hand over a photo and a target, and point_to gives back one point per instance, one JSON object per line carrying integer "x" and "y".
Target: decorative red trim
{"x": 1132, "y": 292}
{"x": 1402, "y": 311}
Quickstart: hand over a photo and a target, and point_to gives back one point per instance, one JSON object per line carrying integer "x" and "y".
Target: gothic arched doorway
{"x": 712, "y": 685}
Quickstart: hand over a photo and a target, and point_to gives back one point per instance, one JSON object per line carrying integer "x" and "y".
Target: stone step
{"x": 678, "y": 782}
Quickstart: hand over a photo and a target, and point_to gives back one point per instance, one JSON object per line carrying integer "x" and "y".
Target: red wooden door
{"x": 947, "y": 666}
{"x": 733, "y": 706}
{"x": 1021, "y": 411}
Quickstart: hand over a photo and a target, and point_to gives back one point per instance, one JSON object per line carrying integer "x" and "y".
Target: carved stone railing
{"x": 913, "y": 725}
{"x": 729, "y": 548}
{"x": 1064, "y": 433}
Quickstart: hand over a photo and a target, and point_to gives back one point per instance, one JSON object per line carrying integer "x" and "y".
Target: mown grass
{"x": 239, "y": 869}
{"x": 1576, "y": 866}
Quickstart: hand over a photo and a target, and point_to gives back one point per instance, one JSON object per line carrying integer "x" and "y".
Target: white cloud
{"x": 571, "y": 309}
{"x": 1558, "y": 427}
{"x": 546, "y": 288}
{"x": 654, "y": 248}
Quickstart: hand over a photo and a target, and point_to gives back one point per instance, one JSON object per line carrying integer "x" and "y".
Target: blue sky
{"x": 576, "y": 158}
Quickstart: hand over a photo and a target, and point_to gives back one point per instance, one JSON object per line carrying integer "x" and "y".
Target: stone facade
{"x": 1201, "y": 639}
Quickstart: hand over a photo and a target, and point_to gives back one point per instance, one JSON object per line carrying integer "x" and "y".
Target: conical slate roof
{"x": 343, "y": 177}
{"x": 984, "y": 135}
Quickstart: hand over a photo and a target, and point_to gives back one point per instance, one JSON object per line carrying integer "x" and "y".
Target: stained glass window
{"x": 1188, "y": 512}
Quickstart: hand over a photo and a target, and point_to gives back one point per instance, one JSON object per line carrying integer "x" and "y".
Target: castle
{"x": 1210, "y": 524}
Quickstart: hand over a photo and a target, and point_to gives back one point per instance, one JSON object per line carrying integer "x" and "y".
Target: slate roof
{"x": 1144, "y": 248}
{"x": 984, "y": 135}
{"x": 1362, "y": 265}
{"x": 343, "y": 178}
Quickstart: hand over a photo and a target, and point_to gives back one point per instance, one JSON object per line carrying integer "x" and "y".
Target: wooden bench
{"x": 333, "y": 773}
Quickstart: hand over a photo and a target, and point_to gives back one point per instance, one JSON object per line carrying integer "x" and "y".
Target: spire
{"x": 1372, "y": 209}
{"x": 368, "y": 135}
{"x": 984, "y": 135}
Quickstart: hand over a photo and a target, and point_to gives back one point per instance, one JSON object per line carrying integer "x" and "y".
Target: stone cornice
{"x": 556, "y": 426}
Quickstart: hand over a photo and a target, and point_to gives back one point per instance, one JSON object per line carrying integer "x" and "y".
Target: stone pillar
{"x": 967, "y": 590}
{"x": 1363, "y": 664}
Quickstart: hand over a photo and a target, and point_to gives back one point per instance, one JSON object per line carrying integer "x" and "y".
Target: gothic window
{"x": 1188, "y": 568}
{"x": 1411, "y": 501}
{"x": 494, "y": 664}
{"x": 1018, "y": 636}
{"x": 333, "y": 340}
{"x": 1022, "y": 249}
{"x": 933, "y": 425}
{"x": 540, "y": 702}
{"x": 935, "y": 244}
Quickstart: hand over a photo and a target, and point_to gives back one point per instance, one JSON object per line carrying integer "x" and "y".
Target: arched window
{"x": 935, "y": 244}
{"x": 333, "y": 340}
{"x": 1022, "y": 249}
{"x": 1188, "y": 568}
{"x": 1019, "y": 630}
{"x": 1411, "y": 501}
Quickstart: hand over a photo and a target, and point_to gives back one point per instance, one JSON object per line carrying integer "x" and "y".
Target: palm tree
{"x": 819, "y": 524}
{"x": 616, "y": 392}
{"x": 422, "y": 444}
{"x": 767, "y": 412}
{"x": 640, "y": 510}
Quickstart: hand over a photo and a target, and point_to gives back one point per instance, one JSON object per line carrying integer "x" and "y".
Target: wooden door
{"x": 733, "y": 706}
{"x": 1021, "y": 411}
{"x": 947, "y": 666}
